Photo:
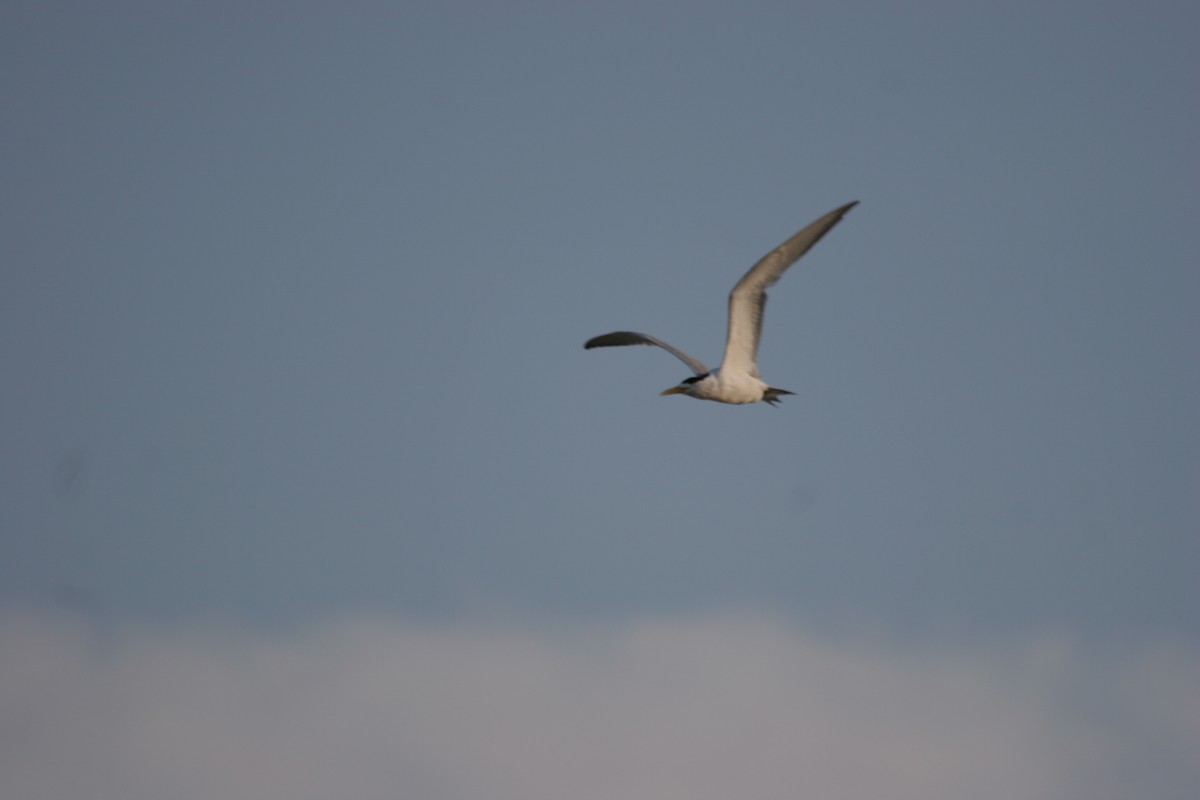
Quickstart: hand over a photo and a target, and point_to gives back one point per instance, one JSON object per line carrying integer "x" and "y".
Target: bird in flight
{"x": 737, "y": 379}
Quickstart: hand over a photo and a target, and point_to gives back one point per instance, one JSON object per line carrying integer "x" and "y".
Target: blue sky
{"x": 291, "y": 321}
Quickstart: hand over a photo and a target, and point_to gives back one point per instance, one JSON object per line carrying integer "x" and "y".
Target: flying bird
{"x": 737, "y": 379}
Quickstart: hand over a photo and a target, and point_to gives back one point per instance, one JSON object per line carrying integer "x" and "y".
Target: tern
{"x": 737, "y": 380}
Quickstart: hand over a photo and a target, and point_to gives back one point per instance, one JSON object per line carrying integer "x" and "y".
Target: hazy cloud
{"x": 736, "y": 707}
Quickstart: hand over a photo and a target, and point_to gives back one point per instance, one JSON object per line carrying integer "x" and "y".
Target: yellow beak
{"x": 672, "y": 390}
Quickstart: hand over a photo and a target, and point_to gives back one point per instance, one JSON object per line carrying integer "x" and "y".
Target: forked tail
{"x": 771, "y": 395}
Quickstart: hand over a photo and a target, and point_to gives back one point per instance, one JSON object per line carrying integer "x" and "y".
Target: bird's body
{"x": 727, "y": 386}
{"x": 737, "y": 380}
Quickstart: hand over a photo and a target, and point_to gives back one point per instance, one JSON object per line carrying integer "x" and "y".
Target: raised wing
{"x": 749, "y": 297}
{"x": 622, "y": 338}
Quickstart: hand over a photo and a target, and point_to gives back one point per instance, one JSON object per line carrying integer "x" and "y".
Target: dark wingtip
{"x": 615, "y": 339}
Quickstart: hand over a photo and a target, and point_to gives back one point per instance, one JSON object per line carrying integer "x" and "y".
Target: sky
{"x": 311, "y": 489}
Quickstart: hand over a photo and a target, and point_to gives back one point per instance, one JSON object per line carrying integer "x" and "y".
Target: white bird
{"x": 737, "y": 379}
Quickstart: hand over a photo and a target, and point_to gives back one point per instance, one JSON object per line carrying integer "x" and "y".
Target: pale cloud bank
{"x": 712, "y": 707}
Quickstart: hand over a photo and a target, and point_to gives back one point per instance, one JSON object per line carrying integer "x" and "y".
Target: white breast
{"x": 736, "y": 387}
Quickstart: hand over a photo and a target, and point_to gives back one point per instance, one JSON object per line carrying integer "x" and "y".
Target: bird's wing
{"x": 622, "y": 338}
{"x": 749, "y": 296}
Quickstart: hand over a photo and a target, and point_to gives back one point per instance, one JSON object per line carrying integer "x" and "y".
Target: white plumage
{"x": 737, "y": 379}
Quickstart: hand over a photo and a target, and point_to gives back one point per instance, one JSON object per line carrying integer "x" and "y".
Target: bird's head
{"x": 685, "y": 386}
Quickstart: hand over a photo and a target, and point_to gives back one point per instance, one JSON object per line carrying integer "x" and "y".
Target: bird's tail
{"x": 771, "y": 395}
